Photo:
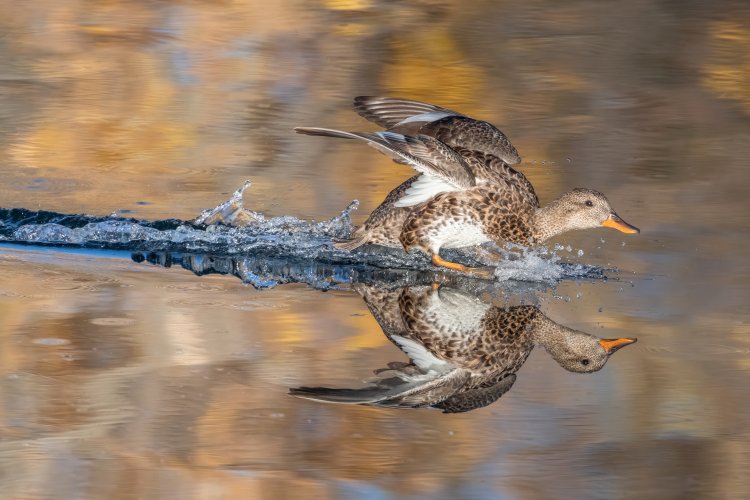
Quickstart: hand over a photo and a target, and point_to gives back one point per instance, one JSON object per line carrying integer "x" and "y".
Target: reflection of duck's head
{"x": 577, "y": 351}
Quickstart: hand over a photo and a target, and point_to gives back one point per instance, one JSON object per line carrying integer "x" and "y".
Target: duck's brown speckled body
{"x": 467, "y": 193}
{"x": 464, "y": 353}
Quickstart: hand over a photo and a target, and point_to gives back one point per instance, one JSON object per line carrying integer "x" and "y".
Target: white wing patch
{"x": 426, "y": 117}
{"x": 424, "y": 188}
{"x": 423, "y": 358}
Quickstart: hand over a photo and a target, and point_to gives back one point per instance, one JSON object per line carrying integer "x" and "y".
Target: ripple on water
{"x": 51, "y": 341}
{"x": 113, "y": 321}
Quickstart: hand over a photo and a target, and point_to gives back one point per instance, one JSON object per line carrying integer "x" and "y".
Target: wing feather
{"x": 424, "y": 154}
{"x": 388, "y": 111}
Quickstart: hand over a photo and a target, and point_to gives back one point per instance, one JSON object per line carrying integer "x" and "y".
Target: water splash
{"x": 230, "y": 229}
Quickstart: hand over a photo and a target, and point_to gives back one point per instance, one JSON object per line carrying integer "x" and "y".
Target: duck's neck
{"x": 549, "y": 221}
{"x": 550, "y": 335}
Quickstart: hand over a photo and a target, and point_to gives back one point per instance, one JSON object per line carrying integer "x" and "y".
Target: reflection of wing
{"x": 463, "y": 352}
{"x": 397, "y": 392}
{"x": 454, "y": 129}
{"x": 424, "y": 381}
{"x": 477, "y": 398}
{"x": 423, "y": 153}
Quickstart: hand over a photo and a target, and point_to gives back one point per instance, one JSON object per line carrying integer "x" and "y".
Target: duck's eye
{"x": 585, "y": 362}
{"x": 589, "y": 203}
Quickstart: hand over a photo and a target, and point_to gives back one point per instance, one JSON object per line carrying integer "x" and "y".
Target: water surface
{"x": 126, "y": 379}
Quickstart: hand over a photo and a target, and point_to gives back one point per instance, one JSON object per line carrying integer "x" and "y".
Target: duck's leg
{"x": 480, "y": 272}
{"x": 488, "y": 255}
{"x": 439, "y": 261}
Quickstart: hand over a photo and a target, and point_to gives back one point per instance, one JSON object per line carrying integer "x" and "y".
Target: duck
{"x": 464, "y": 353}
{"x": 466, "y": 192}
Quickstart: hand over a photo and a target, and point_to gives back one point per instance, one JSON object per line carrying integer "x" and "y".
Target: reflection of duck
{"x": 466, "y": 193}
{"x": 464, "y": 353}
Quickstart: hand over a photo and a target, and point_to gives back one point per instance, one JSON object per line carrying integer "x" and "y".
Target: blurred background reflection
{"x": 126, "y": 380}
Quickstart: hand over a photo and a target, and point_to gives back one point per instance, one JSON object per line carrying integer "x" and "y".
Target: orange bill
{"x": 614, "y": 221}
{"x": 611, "y": 345}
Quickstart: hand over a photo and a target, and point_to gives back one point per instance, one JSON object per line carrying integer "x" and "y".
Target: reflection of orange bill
{"x": 611, "y": 345}
{"x": 614, "y": 221}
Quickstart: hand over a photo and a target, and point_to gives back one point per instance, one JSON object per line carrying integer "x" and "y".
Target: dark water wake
{"x": 261, "y": 251}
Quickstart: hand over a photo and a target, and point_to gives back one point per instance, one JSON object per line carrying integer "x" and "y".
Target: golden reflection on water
{"x": 118, "y": 379}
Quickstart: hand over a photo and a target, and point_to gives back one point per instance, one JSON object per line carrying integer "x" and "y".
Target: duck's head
{"x": 583, "y": 353}
{"x": 585, "y": 209}
{"x": 574, "y": 350}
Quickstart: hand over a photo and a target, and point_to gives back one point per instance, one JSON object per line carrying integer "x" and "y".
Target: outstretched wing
{"x": 396, "y": 392}
{"x": 388, "y": 111}
{"x": 424, "y": 154}
{"x": 454, "y": 129}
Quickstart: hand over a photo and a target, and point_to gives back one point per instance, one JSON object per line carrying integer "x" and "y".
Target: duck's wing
{"x": 468, "y": 133}
{"x": 478, "y": 397}
{"x": 424, "y": 154}
{"x": 388, "y": 111}
{"x": 395, "y": 392}
{"x": 454, "y": 129}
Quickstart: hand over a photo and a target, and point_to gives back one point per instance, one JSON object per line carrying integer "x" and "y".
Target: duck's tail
{"x": 358, "y": 238}
{"x": 350, "y": 243}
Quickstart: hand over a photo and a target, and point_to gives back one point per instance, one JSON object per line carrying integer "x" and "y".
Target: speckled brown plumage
{"x": 467, "y": 193}
{"x": 477, "y": 349}
{"x": 384, "y": 224}
{"x": 464, "y": 353}
{"x": 501, "y": 343}
{"x": 512, "y": 191}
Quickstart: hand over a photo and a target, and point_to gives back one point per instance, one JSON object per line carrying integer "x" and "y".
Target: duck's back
{"x": 493, "y": 172}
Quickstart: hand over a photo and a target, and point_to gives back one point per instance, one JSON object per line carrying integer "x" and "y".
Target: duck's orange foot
{"x": 479, "y": 272}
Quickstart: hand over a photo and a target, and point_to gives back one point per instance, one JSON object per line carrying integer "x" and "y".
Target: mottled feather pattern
{"x": 489, "y": 169}
{"x": 383, "y": 226}
{"x": 467, "y": 133}
{"x": 478, "y": 397}
{"x": 504, "y": 338}
{"x": 455, "y": 145}
{"x": 468, "y": 193}
{"x": 496, "y": 213}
